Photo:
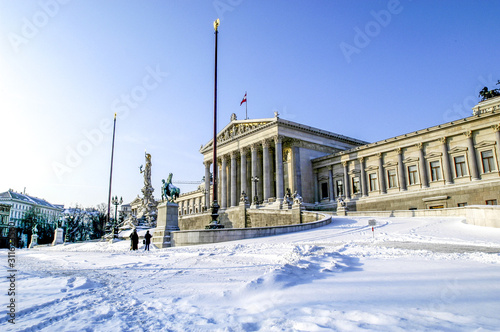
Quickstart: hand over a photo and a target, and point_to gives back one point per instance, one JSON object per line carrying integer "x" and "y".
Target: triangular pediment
{"x": 484, "y": 144}
{"x": 411, "y": 160}
{"x": 457, "y": 149}
{"x": 371, "y": 168}
{"x": 433, "y": 155}
{"x": 238, "y": 128}
{"x": 390, "y": 164}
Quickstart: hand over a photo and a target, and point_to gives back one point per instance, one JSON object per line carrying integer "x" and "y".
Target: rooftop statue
{"x": 487, "y": 94}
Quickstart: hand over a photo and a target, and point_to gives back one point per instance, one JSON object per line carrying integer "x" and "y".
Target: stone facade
{"x": 263, "y": 158}
{"x": 449, "y": 165}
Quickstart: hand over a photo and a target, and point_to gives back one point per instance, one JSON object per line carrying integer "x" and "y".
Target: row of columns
{"x": 424, "y": 177}
{"x": 229, "y": 195}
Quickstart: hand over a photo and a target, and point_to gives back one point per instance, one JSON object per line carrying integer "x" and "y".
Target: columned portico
{"x": 401, "y": 170}
{"x": 243, "y": 170}
{"x": 266, "y": 170}
{"x": 331, "y": 192}
{"x": 253, "y": 149}
{"x": 472, "y": 155}
{"x": 364, "y": 187}
{"x": 280, "y": 193}
{"x": 223, "y": 203}
{"x": 446, "y": 161}
{"x": 383, "y": 189}
{"x": 207, "y": 183}
{"x": 496, "y": 129}
{"x": 264, "y": 157}
{"x": 347, "y": 187}
{"x": 296, "y": 170}
{"x": 423, "y": 168}
{"x": 234, "y": 183}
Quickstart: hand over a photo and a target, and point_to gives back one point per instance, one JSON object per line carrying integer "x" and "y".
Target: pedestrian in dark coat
{"x": 134, "y": 238}
{"x": 147, "y": 238}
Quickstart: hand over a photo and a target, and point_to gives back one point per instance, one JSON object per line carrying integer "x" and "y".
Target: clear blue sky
{"x": 366, "y": 69}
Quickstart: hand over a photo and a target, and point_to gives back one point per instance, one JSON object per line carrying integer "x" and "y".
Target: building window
{"x": 412, "y": 174}
{"x": 340, "y": 188}
{"x": 460, "y": 169}
{"x": 462, "y": 204}
{"x": 324, "y": 190}
{"x": 392, "y": 178}
{"x": 356, "y": 188}
{"x": 435, "y": 171}
{"x": 488, "y": 161}
{"x": 491, "y": 202}
{"x": 373, "y": 181}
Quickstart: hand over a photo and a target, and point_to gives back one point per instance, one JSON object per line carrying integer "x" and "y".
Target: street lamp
{"x": 255, "y": 179}
{"x": 116, "y": 202}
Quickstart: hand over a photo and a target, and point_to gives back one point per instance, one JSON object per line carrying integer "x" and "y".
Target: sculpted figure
{"x": 168, "y": 190}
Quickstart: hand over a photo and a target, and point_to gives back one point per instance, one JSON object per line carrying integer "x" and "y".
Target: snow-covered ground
{"x": 417, "y": 274}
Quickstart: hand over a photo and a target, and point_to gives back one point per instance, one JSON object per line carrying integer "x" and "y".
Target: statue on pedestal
{"x": 147, "y": 212}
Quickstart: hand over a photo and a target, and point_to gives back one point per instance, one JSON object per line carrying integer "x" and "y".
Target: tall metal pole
{"x": 110, "y": 174}
{"x": 215, "y": 205}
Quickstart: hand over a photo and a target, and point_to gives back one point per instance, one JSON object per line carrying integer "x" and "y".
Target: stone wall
{"x": 479, "y": 215}
{"x": 450, "y": 196}
{"x": 202, "y": 236}
{"x": 244, "y": 217}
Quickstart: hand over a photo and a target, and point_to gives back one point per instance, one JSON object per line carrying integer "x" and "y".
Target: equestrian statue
{"x": 168, "y": 190}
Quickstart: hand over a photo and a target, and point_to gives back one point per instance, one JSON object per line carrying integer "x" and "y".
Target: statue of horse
{"x": 168, "y": 190}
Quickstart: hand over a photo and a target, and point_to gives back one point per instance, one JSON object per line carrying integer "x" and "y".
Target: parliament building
{"x": 266, "y": 161}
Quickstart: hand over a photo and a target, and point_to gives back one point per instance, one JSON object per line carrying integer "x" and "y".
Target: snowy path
{"x": 417, "y": 274}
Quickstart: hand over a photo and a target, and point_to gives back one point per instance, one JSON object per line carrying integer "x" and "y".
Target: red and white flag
{"x": 244, "y": 99}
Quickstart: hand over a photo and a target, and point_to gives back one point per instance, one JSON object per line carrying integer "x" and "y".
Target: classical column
{"x": 253, "y": 149}
{"x": 223, "y": 184}
{"x": 364, "y": 187}
{"x": 316, "y": 193}
{"x": 234, "y": 194}
{"x": 296, "y": 170}
{"x": 243, "y": 157}
{"x": 266, "y": 169}
{"x": 401, "y": 168}
{"x": 423, "y": 166}
{"x": 381, "y": 169}
{"x": 280, "y": 193}
{"x": 331, "y": 192}
{"x": 347, "y": 186}
{"x": 207, "y": 183}
{"x": 446, "y": 161}
{"x": 496, "y": 129}
{"x": 472, "y": 155}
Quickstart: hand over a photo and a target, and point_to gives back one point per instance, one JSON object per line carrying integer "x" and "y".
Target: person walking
{"x": 134, "y": 238}
{"x": 147, "y": 238}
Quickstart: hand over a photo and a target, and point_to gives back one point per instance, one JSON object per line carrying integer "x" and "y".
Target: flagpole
{"x": 110, "y": 174}
{"x": 215, "y": 206}
{"x": 246, "y": 106}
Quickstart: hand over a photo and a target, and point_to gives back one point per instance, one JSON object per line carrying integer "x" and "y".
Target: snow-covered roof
{"x": 12, "y": 195}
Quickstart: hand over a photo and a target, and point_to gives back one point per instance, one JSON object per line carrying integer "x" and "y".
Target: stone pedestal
{"x": 58, "y": 236}
{"x": 167, "y": 221}
{"x": 34, "y": 241}
{"x": 297, "y": 213}
{"x": 342, "y": 211}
